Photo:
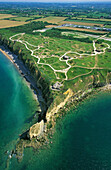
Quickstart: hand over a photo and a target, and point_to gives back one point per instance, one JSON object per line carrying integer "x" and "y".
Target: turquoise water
{"x": 82, "y": 139}
{"x": 17, "y": 106}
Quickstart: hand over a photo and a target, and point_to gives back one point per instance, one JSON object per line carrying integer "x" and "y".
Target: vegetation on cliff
{"x": 57, "y": 56}
{"x": 66, "y": 63}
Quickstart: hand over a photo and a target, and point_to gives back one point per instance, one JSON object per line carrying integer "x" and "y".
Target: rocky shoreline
{"x": 37, "y": 95}
{"x": 45, "y": 130}
{"x": 45, "y": 138}
{"x": 25, "y": 73}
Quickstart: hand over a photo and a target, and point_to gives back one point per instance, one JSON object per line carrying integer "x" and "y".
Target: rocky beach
{"x": 38, "y": 129}
{"x": 25, "y": 73}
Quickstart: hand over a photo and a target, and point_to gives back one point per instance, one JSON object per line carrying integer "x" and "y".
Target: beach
{"x": 18, "y": 108}
{"x": 25, "y": 73}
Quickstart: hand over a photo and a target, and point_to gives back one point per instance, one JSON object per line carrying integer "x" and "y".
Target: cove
{"x": 17, "y": 107}
{"x": 82, "y": 140}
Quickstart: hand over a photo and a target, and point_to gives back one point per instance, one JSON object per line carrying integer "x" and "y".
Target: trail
{"x": 95, "y": 53}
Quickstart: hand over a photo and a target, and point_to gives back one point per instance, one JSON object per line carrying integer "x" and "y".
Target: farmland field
{"x": 8, "y": 23}
{"x": 2, "y": 16}
{"x": 54, "y": 20}
{"x": 92, "y": 19}
{"x": 15, "y": 21}
{"x": 81, "y": 22}
{"x": 83, "y": 29}
{"x": 22, "y": 19}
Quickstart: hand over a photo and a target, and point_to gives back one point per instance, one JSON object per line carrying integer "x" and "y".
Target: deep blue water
{"x": 82, "y": 139}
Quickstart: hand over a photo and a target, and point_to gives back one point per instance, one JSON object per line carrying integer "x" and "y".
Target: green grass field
{"x": 51, "y": 49}
{"x": 74, "y": 71}
{"x": 104, "y": 60}
{"x": 50, "y": 52}
{"x": 85, "y": 61}
{"x": 55, "y": 46}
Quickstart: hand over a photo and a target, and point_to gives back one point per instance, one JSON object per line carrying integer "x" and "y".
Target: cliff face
{"x": 79, "y": 91}
{"x": 55, "y": 109}
{"x": 40, "y": 81}
{"x": 36, "y": 130}
{"x": 53, "y": 103}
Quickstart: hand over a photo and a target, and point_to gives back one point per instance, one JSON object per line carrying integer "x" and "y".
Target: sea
{"x": 81, "y": 140}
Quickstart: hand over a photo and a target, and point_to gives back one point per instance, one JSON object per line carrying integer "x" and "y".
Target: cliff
{"x": 54, "y": 103}
{"x": 55, "y": 109}
{"x": 41, "y": 83}
{"x": 36, "y": 130}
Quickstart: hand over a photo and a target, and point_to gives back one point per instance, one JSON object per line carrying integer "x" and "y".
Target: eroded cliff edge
{"x": 54, "y": 104}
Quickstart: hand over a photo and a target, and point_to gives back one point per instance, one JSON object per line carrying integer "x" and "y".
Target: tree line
{"x": 28, "y": 28}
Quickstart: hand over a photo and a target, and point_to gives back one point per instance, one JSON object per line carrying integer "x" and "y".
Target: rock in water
{"x": 36, "y": 130}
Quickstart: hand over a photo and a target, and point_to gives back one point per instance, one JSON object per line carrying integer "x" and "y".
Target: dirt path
{"x": 95, "y": 53}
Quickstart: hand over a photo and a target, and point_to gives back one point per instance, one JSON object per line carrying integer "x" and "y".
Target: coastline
{"x": 6, "y": 55}
{"x": 23, "y": 71}
{"x": 73, "y": 102}
{"x": 30, "y": 82}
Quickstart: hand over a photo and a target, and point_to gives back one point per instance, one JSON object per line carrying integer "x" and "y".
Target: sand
{"x": 25, "y": 73}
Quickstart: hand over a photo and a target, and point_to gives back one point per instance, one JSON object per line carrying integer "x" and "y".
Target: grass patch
{"x": 104, "y": 60}
{"x": 51, "y": 19}
{"x": 75, "y": 71}
{"x": 85, "y": 61}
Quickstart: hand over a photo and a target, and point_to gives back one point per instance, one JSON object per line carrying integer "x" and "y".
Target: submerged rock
{"x": 10, "y": 156}
{"x": 6, "y": 152}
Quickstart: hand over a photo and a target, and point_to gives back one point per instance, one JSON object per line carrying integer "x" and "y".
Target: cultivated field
{"x": 8, "y": 23}
{"x": 83, "y": 29}
{"x": 21, "y": 19}
{"x": 54, "y": 20}
{"x": 92, "y": 19}
{"x": 24, "y": 19}
{"x": 80, "y": 23}
{"x": 50, "y": 26}
{"x": 2, "y": 16}
{"x": 15, "y": 21}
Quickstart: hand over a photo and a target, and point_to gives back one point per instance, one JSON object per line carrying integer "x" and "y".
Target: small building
{"x": 56, "y": 86}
